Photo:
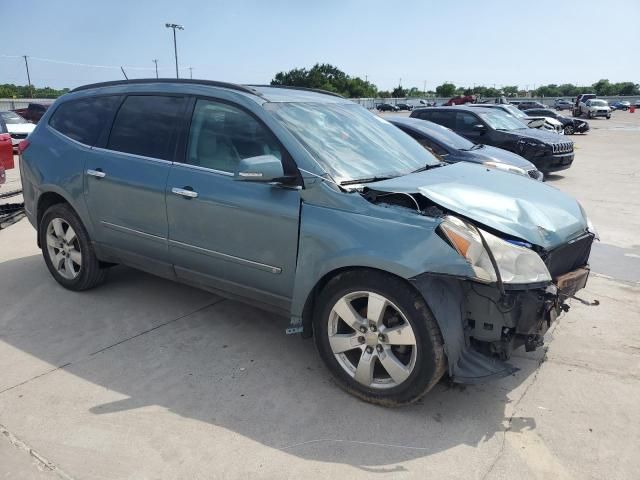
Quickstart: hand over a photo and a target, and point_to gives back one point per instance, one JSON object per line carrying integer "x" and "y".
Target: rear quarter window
{"x": 86, "y": 119}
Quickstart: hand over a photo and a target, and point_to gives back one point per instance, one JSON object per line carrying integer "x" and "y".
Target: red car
{"x": 6, "y": 150}
{"x": 461, "y": 100}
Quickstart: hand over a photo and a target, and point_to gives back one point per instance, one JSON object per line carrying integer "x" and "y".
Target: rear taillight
{"x": 22, "y": 146}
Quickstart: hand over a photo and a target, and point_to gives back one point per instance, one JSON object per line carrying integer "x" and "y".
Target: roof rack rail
{"x": 317, "y": 90}
{"x": 211, "y": 83}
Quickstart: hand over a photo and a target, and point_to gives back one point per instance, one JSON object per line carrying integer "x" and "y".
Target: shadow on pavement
{"x": 231, "y": 365}
{"x": 553, "y": 177}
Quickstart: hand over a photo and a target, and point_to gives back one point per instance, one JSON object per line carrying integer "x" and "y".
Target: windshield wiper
{"x": 429, "y": 166}
{"x": 358, "y": 181}
{"x": 475, "y": 147}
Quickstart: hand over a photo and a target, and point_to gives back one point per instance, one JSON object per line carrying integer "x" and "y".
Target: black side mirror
{"x": 481, "y": 129}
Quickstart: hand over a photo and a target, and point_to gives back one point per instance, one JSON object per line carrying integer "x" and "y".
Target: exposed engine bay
{"x": 495, "y": 317}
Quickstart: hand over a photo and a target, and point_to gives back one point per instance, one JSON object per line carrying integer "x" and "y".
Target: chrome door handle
{"x": 96, "y": 173}
{"x": 184, "y": 193}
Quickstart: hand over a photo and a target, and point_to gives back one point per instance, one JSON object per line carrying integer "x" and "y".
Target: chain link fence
{"x": 370, "y": 103}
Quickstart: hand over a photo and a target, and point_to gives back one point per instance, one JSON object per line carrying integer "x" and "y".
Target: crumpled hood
{"x": 512, "y": 204}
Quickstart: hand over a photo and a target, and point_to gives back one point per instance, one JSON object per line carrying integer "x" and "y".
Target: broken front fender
{"x": 481, "y": 326}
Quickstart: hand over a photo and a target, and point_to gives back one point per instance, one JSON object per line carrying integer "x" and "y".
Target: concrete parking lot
{"x": 144, "y": 378}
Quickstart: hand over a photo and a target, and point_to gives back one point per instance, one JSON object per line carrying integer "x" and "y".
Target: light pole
{"x": 26, "y": 64}
{"x": 175, "y": 47}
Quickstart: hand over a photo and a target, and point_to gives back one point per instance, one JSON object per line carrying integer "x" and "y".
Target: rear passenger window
{"x": 145, "y": 125}
{"x": 222, "y": 135}
{"x": 85, "y": 120}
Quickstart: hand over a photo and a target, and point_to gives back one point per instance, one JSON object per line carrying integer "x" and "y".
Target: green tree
{"x": 446, "y": 90}
{"x": 326, "y": 77}
{"x": 399, "y": 92}
{"x": 414, "y": 92}
{"x": 8, "y": 90}
{"x": 627, "y": 88}
{"x": 510, "y": 90}
{"x": 604, "y": 87}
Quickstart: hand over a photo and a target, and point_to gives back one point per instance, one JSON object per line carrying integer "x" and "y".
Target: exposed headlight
{"x": 592, "y": 229}
{"x": 507, "y": 168}
{"x": 517, "y": 264}
{"x": 590, "y": 226}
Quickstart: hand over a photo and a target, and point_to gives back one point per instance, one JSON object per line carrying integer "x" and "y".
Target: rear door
{"x": 241, "y": 237}
{"x": 125, "y": 181}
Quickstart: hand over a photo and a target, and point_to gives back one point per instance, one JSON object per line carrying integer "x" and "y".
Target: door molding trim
{"x": 120, "y": 228}
{"x": 225, "y": 256}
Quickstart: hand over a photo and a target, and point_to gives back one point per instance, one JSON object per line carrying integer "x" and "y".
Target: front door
{"x": 241, "y": 237}
{"x": 125, "y": 182}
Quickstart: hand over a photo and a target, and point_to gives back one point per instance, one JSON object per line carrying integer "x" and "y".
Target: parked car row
{"x": 543, "y": 122}
{"x": 17, "y": 127}
{"x": 450, "y": 147}
{"x": 569, "y": 125}
{"x": 388, "y": 107}
{"x": 404, "y": 265}
{"x": 548, "y": 151}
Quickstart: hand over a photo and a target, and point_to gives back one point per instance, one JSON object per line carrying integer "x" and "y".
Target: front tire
{"x": 378, "y": 338}
{"x": 67, "y": 249}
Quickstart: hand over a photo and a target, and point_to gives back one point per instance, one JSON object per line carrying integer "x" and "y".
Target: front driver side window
{"x": 221, "y": 135}
{"x": 465, "y": 122}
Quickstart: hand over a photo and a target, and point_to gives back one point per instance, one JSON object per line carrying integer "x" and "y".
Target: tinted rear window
{"x": 84, "y": 120}
{"x": 145, "y": 125}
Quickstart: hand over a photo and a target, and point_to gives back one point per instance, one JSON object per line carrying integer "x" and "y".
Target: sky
{"x": 515, "y": 42}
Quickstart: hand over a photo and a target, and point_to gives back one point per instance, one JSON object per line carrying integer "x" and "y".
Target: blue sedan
{"x": 451, "y": 148}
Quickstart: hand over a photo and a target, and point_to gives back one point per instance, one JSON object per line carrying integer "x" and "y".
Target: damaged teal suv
{"x": 402, "y": 268}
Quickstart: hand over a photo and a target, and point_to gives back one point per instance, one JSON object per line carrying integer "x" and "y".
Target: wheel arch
{"x": 45, "y": 201}
{"x": 309, "y": 304}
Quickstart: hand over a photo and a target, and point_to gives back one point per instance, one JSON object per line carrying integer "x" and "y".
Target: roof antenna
{"x": 125, "y": 75}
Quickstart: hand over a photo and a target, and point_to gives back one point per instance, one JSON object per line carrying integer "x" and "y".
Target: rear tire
{"x": 378, "y": 338}
{"x": 67, "y": 249}
{"x": 568, "y": 130}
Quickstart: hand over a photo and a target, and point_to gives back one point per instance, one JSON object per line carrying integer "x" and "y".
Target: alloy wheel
{"x": 63, "y": 247}
{"x": 372, "y": 340}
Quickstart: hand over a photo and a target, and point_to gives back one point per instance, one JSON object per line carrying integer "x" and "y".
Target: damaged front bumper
{"x": 481, "y": 326}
